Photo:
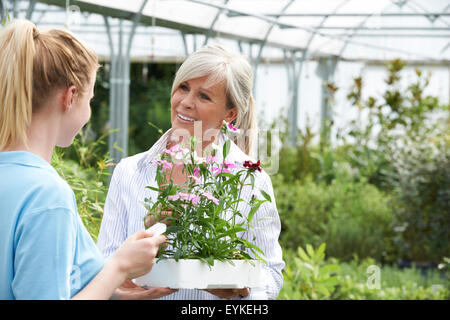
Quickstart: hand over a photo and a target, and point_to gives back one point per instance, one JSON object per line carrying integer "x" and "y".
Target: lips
{"x": 185, "y": 118}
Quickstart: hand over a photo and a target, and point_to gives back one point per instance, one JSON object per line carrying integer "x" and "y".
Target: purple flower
{"x": 253, "y": 166}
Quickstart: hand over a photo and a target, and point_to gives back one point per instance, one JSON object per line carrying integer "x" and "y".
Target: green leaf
{"x": 226, "y": 148}
{"x": 329, "y": 269}
{"x": 265, "y": 195}
{"x": 303, "y": 254}
{"x": 252, "y": 179}
{"x": 310, "y": 250}
{"x": 320, "y": 253}
{"x": 172, "y": 229}
{"x": 153, "y": 188}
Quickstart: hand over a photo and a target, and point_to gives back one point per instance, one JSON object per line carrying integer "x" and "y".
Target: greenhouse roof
{"x": 347, "y": 29}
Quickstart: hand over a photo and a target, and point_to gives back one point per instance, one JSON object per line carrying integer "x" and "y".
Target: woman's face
{"x": 78, "y": 114}
{"x": 193, "y": 104}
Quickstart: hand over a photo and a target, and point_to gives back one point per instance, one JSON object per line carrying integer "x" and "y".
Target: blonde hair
{"x": 32, "y": 65}
{"x": 220, "y": 64}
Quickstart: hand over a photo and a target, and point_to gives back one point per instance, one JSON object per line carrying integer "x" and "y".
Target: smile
{"x": 185, "y": 118}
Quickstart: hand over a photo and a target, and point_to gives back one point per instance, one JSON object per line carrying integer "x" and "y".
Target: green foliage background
{"x": 381, "y": 197}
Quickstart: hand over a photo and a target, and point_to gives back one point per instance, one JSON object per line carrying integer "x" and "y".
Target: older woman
{"x": 211, "y": 86}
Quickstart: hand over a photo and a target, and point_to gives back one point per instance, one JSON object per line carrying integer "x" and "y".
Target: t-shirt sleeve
{"x": 44, "y": 254}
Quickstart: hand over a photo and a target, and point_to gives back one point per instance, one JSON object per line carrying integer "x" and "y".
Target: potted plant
{"x": 205, "y": 248}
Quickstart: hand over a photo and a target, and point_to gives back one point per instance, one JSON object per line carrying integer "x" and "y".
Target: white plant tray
{"x": 195, "y": 274}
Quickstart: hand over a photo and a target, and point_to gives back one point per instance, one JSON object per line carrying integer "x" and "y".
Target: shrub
{"x": 352, "y": 217}
{"x": 307, "y": 277}
{"x": 306, "y": 274}
{"x": 88, "y": 178}
{"x": 395, "y": 283}
{"x": 422, "y": 193}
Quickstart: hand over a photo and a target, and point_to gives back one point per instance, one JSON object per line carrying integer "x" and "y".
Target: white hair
{"x": 220, "y": 64}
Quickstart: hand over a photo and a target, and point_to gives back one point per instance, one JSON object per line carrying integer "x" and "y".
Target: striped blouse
{"x": 124, "y": 215}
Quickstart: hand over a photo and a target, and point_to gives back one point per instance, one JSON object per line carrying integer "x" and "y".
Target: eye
{"x": 184, "y": 87}
{"x": 204, "y": 96}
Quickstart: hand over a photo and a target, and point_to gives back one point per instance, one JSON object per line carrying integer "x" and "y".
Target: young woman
{"x": 212, "y": 85}
{"x": 46, "y": 83}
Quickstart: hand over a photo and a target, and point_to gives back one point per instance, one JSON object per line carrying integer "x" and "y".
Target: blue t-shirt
{"x": 45, "y": 250}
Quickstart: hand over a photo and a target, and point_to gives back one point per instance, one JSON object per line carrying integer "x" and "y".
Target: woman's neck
{"x": 185, "y": 141}
{"x": 40, "y": 139}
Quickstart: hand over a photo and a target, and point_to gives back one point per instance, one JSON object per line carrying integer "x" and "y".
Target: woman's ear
{"x": 69, "y": 98}
{"x": 231, "y": 115}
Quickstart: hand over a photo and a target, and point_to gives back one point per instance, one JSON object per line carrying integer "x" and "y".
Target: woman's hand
{"x": 136, "y": 256}
{"x": 150, "y": 220}
{"x": 229, "y": 293}
{"x": 130, "y": 291}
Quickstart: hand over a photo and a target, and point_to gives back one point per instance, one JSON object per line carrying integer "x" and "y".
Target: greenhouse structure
{"x": 296, "y": 47}
{"x": 344, "y": 196}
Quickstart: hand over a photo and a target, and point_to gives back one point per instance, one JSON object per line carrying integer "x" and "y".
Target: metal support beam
{"x": 186, "y": 49}
{"x": 293, "y": 70}
{"x": 266, "y": 37}
{"x": 395, "y": 28}
{"x": 350, "y": 14}
{"x": 2, "y": 10}
{"x": 120, "y": 88}
{"x": 362, "y": 23}
{"x": 309, "y": 29}
{"x": 30, "y": 9}
{"x": 403, "y": 35}
{"x": 325, "y": 70}
{"x": 211, "y": 27}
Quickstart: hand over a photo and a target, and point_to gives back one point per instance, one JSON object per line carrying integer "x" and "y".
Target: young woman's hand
{"x": 136, "y": 256}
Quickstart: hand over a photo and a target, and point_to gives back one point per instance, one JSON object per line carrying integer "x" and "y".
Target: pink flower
{"x": 172, "y": 150}
{"x": 197, "y": 180}
{"x": 224, "y": 168}
{"x": 179, "y": 164}
{"x": 212, "y": 159}
{"x": 230, "y": 165}
{"x": 186, "y": 197}
{"x": 219, "y": 170}
{"x": 166, "y": 165}
{"x": 196, "y": 171}
{"x": 209, "y": 196}
{"x": 230, "y": 126}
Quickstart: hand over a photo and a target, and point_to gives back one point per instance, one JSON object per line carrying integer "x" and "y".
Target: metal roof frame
{"x": 294, "y": 54}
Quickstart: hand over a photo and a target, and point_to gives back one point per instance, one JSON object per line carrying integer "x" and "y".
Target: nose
{"x": 188, "y": 100}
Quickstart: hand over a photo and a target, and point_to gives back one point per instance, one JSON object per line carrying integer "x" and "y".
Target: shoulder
{"x": 46, "y": 190}
{"x": 132, "y": 164}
